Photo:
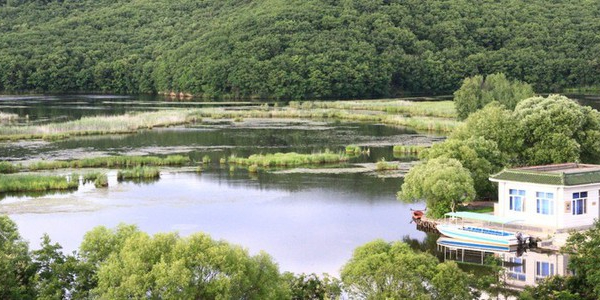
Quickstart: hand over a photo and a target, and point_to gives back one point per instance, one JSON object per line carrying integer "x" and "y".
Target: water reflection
{"x": 521, "y": 269}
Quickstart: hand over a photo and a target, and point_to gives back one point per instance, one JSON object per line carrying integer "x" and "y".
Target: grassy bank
{"x": 112, "y": 162}
{"x": 290, "y": 159}
{"x": 36, "y": 183}
{"x": 99, "y": 179}
{"x": 408, "y": 149}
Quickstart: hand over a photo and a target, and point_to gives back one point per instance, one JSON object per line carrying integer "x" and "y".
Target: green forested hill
{"x": 294, "y": 48}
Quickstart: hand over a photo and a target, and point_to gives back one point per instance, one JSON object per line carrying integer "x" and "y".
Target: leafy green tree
{"x": 16, "y": 269}
{"x": 583, "y": 248}
{"x": 442, "y": 182}
{"x": 556, "y": 129}
{"x": 312, "y": 286}
{"x": 553, "y": 288}
{"x": 493, "y": 123}
{"x": 168, "y": 267}
{"x": 476, "y": 92}
{"x": 476, "y": 154}
{"x": 381, "y": 270}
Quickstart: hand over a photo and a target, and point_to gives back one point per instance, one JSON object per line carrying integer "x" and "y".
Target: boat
{"x": 462, "y": 244}
{"x": 417, "y": 214}
{"x": 482, "y": 235}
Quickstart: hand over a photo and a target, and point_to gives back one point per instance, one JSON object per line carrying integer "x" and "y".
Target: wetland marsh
{"x": 309, "y": 218}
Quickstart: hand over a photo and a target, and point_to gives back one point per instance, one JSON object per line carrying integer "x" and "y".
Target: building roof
{"x": 559, "y": 174}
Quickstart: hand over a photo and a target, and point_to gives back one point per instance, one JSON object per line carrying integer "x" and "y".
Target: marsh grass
{"x": 442, "y": 109}
{"x": 353, "y": 150}
{"x": 437, "y": 124}
{"x": 383, "y": 165}
{"x": 112, "y": 162}
{"x": 37, "y": 183}
{"x": 206, "y": 159}
{"x": 99, "y": 179}
{"x": 408, "y": 149}
{"x": 425, "y": 115}
{"x": 127, "y": 123}
{"x": 138, "y": 173}
{"x": 291, "y": 159}
{"x": 7, "y": 168}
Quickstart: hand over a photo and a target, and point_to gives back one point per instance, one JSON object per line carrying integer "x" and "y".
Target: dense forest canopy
{"x": 294, "y": 48}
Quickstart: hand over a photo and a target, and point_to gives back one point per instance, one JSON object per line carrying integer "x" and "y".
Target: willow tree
{"x": 442, "y": 182}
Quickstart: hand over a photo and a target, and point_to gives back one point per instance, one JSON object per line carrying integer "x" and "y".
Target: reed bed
{"x": 291, "y": 159}
{"x": 138, "y": 173}
{"x": 409, "y": 149}
{"x": 127, "y": 123}
{"x": 112, "y": 162}
{"x": 36, "y": 183}
{"x": 442, "y": 109}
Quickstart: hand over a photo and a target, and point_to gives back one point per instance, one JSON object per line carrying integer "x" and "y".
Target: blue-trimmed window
{"x": 545, "y": 203}
{"x": 543, "y": 269}
{"x": 516, "y": 199}
{"x": 579, "y": 203}
{"x": 517, "y": 270}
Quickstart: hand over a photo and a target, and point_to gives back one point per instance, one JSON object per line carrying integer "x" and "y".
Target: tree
{"x": 583, "y": 248}
{"x": 166, "y": 266}
{"x": 493, "y": 123}
{"x": 442, "y": 182}
{"x": 16, "y": 269}
{"x": 476, "y": 92}
{"x": 556, "y": 129}
{"x": 381, "y": 270}
{"x": 476, "y": 154}
{"x": 312, "y": 286}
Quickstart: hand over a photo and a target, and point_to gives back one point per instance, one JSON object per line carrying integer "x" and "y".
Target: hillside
{"x": 294, "y": 48}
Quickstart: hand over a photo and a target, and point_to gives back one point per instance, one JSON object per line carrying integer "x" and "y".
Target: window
{"x": 579, "y": 203}
{"x": 545, "y": 203}
{"x": 517, "y": 270}
{"x": 543, "y": 269}
{"x": 516, "y": 198}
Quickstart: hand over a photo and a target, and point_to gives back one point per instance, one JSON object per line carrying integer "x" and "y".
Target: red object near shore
{"x": 417, "y": 214}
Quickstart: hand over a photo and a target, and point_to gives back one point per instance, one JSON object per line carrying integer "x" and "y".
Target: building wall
{"x": 562, "y": 216}
{"x": 529, "y": 272}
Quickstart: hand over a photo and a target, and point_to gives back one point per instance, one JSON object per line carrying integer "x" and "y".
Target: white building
{"x": 553, "y": 197}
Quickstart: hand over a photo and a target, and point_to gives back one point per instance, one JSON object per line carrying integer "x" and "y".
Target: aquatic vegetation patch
{"x": 7, "y": 168}
{"x": 384, "y": 165}
{"x": 291, "y": 159}
{"x": 127, "y": 123}
{"x": 409, "y": 149}
{"x": 443, "y": 109}
{"x": 138, "y": 173}
{"x": 112, "y": 162}
{"x": 99, "y": 179}
{"x": 37, "y": 183}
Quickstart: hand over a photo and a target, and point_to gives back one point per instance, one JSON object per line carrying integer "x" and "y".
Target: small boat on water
{"x": 482, "y": 235}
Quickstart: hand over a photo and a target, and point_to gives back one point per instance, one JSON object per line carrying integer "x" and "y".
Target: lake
{"x": 309, "y": 221}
